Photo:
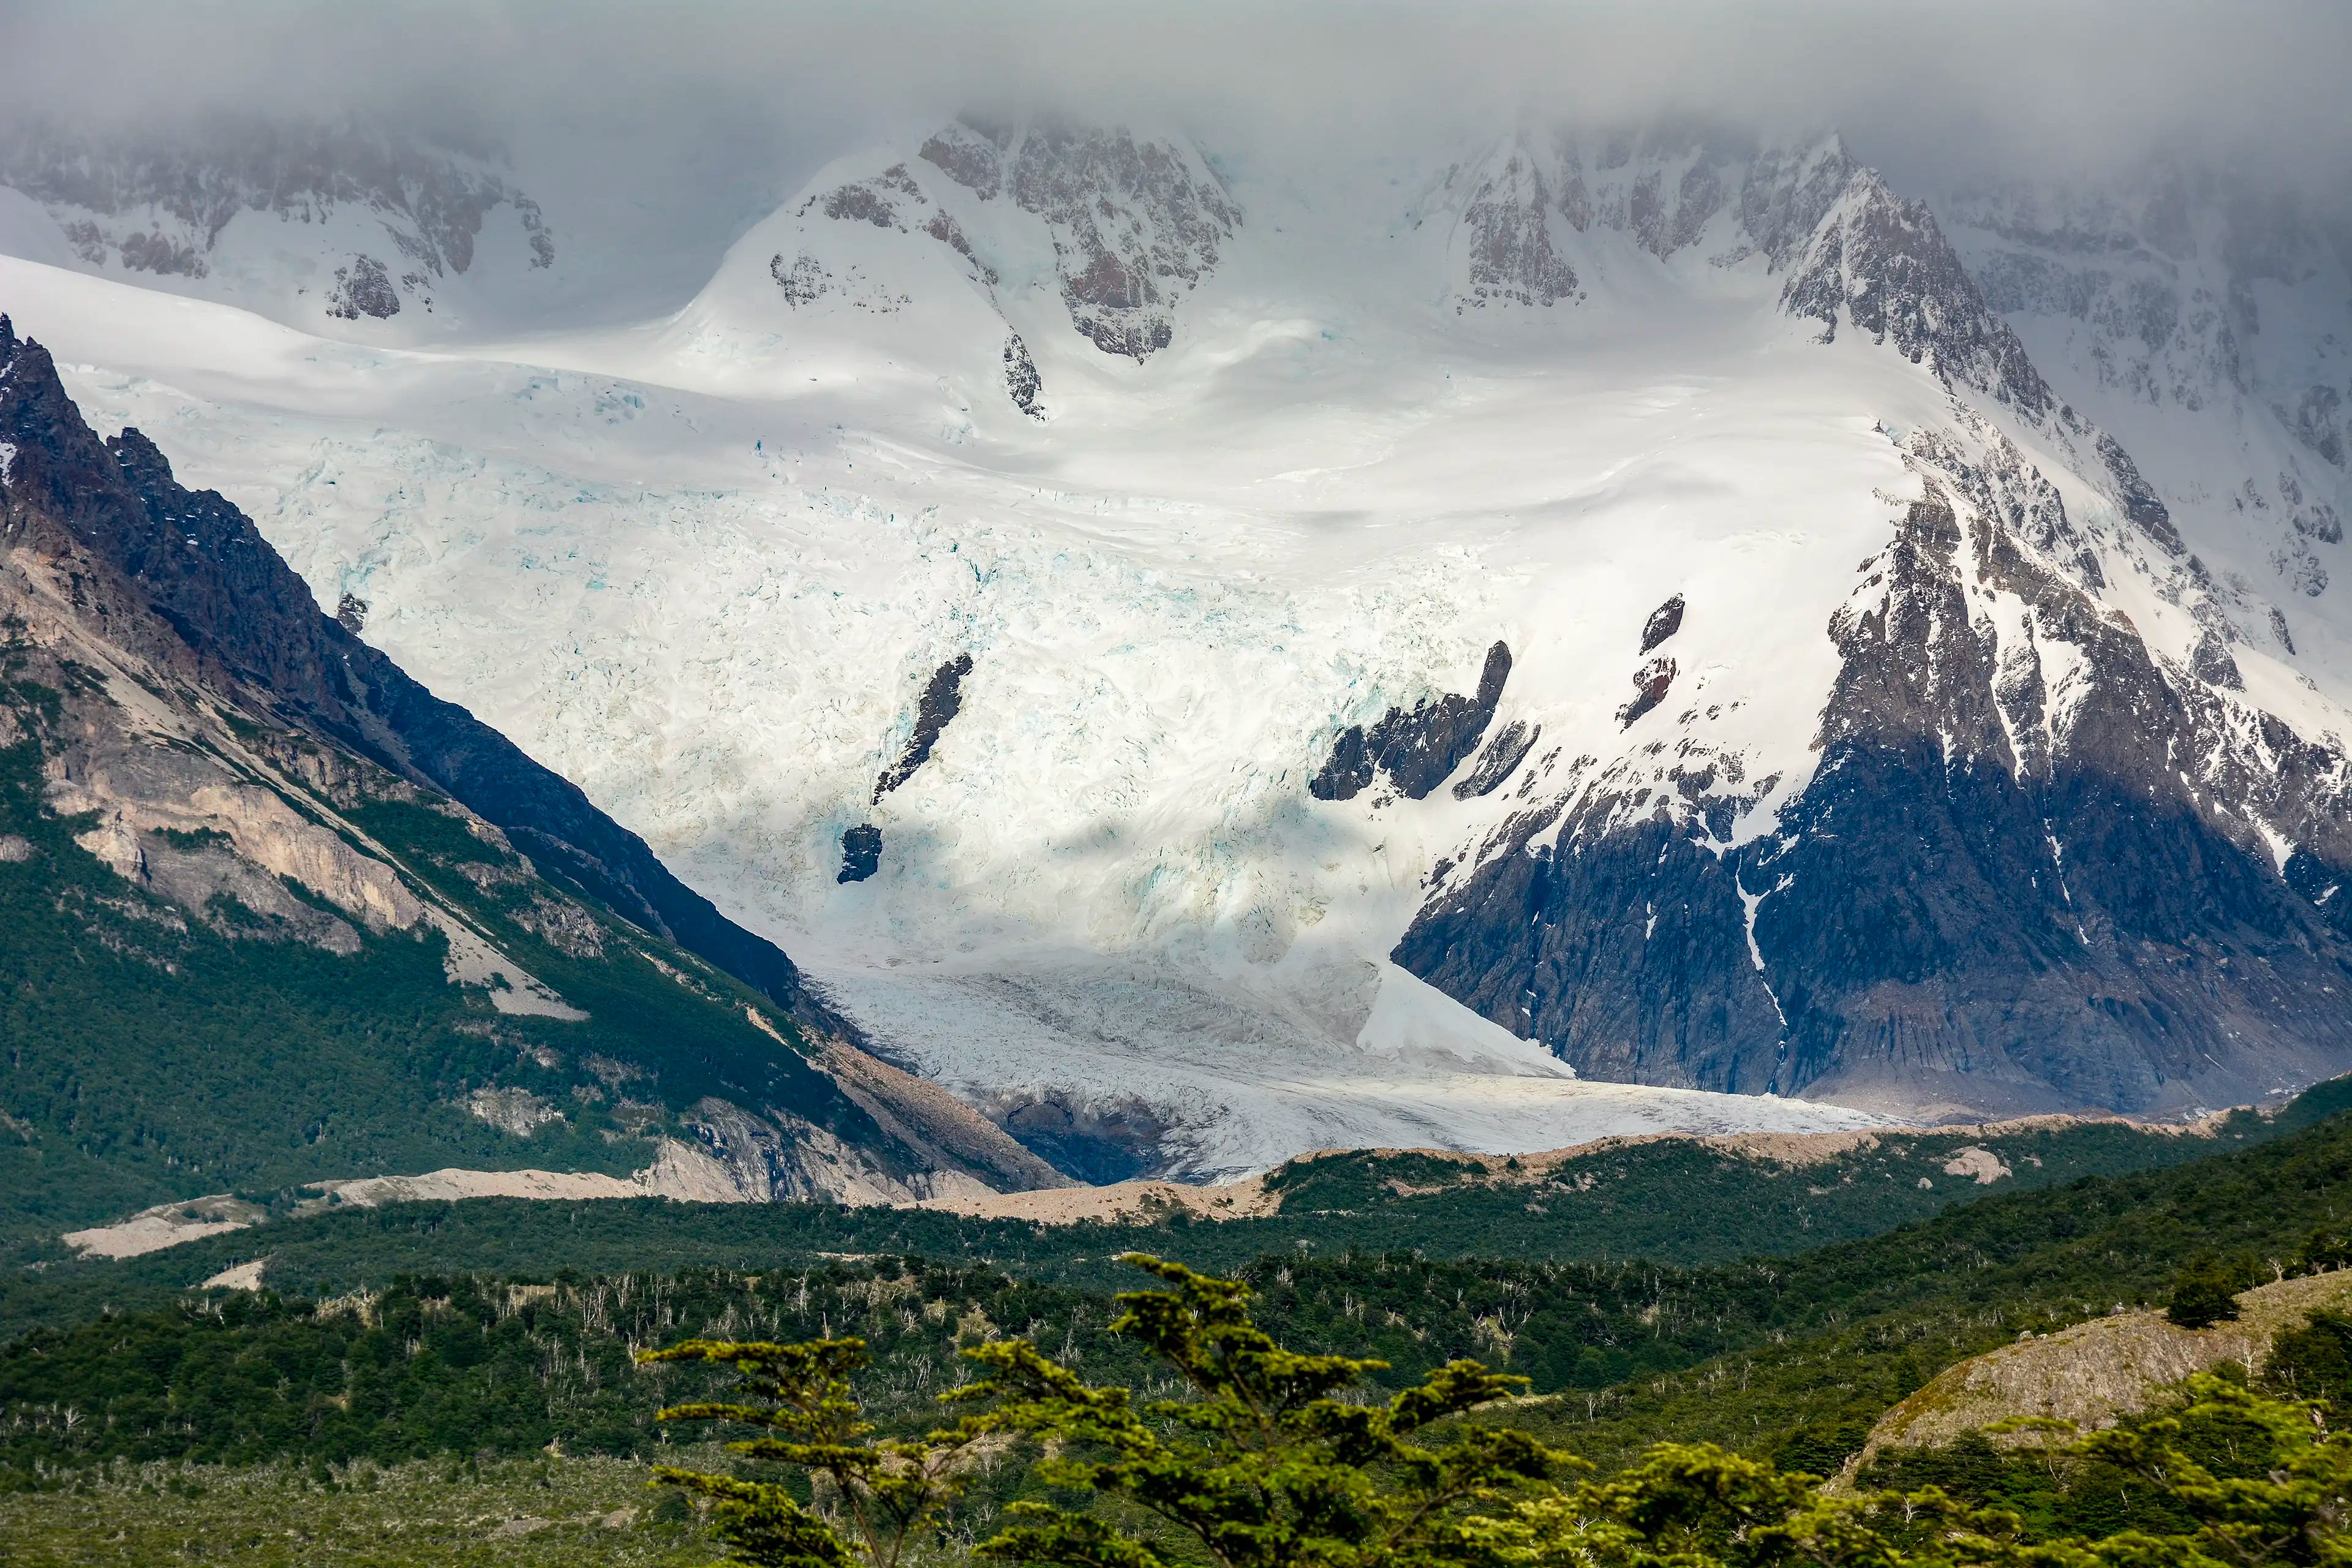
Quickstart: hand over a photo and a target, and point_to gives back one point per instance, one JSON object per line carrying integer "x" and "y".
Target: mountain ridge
{"x": 1870, "y": 836}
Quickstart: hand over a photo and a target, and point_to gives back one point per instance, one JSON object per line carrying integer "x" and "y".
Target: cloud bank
{"x": 1929, "y": 90}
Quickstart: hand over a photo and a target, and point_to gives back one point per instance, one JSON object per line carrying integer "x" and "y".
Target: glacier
{"x": 1304, "y": 445}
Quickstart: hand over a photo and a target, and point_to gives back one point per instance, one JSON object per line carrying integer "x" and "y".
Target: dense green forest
{"x": 1794, "y": 1358}
{"x": 1673, "y": 1201}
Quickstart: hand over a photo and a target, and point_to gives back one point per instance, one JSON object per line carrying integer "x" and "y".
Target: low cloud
{"x": 1931, "y": 92}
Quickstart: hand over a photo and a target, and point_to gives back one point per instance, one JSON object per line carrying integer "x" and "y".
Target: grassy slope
{"x": 539, "y": 1512}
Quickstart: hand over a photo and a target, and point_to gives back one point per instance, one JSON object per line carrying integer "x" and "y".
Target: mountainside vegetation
{"x": 1680, "y": 1201}
{"x": 1269, "y": 1456}
{"x": 1793, "y": 1358}
{"x": 153, "y": 1058}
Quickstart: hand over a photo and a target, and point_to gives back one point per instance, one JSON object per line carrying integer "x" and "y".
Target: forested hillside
{"x": 1790, "y": 1357}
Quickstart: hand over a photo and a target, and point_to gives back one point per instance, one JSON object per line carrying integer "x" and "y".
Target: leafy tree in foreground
{"x": 2296, "y": 1506}
{"x": 1268, "y": 1465}
{"x": 1263, "y": 1467}
{"x": 1698, "y": 1507}
{"x": 887, "y": 1493}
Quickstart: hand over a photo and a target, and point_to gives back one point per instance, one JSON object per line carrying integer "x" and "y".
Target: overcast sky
{"x": 1922, "y": 88}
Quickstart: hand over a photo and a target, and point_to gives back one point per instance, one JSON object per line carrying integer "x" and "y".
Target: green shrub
{"x": 2206, "y": 1293}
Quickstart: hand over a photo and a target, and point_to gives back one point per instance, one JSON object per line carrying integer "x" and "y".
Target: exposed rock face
{"x": 1787, "y": 193}
{"x": 1626, "y": 949}
{"x": 1021, "y": 378}
{"x": 1884, "y": 264}
{"x": 921, "y": 1114}
{"x": 2194, "y": 298}
{"x": 250, "y": 621}
{"x": 363, "y": 289}
{"x": 861, "y": 853}
{"x": 1506, "y": 226}
{"x": 1664, "y": 621}
{"x": 2038, "y": 867}
{"x": 1420, "y": 750}
{"x": 1651, "y": 684}
{"x": 892, "y": 200}
{"x": 942, "y": 698}
{"x": 1665, "y": 192}
{"x": 1499, "y": 761}
{"x": 1136, "y": 224}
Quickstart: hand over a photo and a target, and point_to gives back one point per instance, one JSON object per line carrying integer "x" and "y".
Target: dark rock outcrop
{"x": 1418, "y": 750}
{"x": 363, "y": 289}
{"x": 1651, "y": 683}
{"x": 870, "y": 200}
{"x": 861, "y": 853}
{"x": 206, "y": 571}
{"x": 2210, "y": 661}
{"x": 1623, "y": 951}
{"x": 1347, "y": 771}
{"x": 1664, "y": 621}
{"x": 942, "y": 699}
{"x": 1021, "y": 377}
{"x": 2139, "y": 502}
{"x": 1499, "y": 761}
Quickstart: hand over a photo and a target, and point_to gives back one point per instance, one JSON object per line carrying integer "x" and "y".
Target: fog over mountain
{"x": 1236, "y": 580}
{"x": 697, "y": 113}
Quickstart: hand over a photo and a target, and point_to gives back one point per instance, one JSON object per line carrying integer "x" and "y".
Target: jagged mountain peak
{"x": 310, "y": 220}
{"x": 1124, "y": 225}
{"x": 1529, "y": 208}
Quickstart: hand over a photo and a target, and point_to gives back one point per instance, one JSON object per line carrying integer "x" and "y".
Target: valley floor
{"x": 552, "y": 1512}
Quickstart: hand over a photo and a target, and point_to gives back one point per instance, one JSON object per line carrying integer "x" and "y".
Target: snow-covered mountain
{"x": 1211, "y": 656}
{"x": 326, "y": 226}
{"x": 2204, "y": 319}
